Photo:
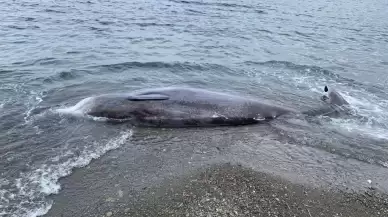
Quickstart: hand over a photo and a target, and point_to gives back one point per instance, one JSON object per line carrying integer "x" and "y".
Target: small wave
{"x": 15, "y": 88}
{"x": 362, "y": 128}
{"x": 305, "y": 15}
{"x": 19, "y": 42}
{"x": 47, "y": 61}
{"x": 2, "y": 71}
{"x": 35, "y": 98}
{"x": 264, "y": 30}
{"x": 366, "y": 141}
{"x": 368, "y": 118}
{"x": 22, "y": 100}
{"x": 29, "y": 19}
{"x": 290, "y": 65}
{"x": 16, "y": 27}
{"x": 319, "y": 72}
{"x": 368, "y": 103}
{"x": 371, "y": 114}
{"x": 260, "y": 12}
{"x": 302, "y": 34}
{"x": 105, "y": 23}
{"x": 73, "y": 52}
{"x": 23, "y": 27}
{"x": 98, "y": 29}
{"x": 54, "y": 11}
{"x": 181, "y": 66}
{"x": 284, "y": 34}
{"x": 153, "y": 24}
{"x": 64, "y": 75}
{"x": 42, "y": 62}
{"x": 32, "y": 187}
{"x": 192, "y": 11}
{"x": 211, "y": 4}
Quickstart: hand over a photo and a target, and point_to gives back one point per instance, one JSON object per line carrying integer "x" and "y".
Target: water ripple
{"x": 55, "y": 53}
{"x": 211, "y": 4}
{"x": 317, "y": 71}
{"x": 160, "y": 65}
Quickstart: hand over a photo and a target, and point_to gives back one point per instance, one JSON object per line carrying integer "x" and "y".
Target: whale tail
{"x": 335, "y": 105}
{"x": 334, "y": 98}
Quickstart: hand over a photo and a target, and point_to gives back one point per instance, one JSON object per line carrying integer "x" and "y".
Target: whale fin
{"x": 333, "y": 98}
{"x": 148, "y": 97}
{"x": 336, "y": 105}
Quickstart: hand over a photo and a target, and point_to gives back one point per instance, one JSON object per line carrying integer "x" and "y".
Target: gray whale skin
{"x": 188, "y": 107}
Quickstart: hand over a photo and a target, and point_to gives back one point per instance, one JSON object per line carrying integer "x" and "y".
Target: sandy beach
{"x": 160, "y": 176}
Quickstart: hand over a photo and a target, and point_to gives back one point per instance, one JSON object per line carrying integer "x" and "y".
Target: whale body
{"x": 182, "y": 107}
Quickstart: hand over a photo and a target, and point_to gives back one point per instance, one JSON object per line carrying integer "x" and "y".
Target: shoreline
{"x": 233, "y": 190}
{"x": 219, "y": 172}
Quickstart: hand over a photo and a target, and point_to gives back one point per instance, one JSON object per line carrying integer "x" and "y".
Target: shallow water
{"x": 56, "y": 53}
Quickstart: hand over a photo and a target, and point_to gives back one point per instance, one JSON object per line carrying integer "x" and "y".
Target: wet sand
{"x": 192, "y": 173}
{"x": 231, "y": 190}
{"x": 227, "y": 190}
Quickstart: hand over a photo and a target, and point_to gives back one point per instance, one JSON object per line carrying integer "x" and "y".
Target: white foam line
{"x": 34, "y": 100}
{"x": 363, "y": 103}
{"x": 43, "y": 181}
{"x": 364, "y": 129}
{"x": 40, "y": 211}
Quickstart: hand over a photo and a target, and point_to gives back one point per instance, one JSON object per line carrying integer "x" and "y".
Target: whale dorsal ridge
{"x": 148, "y": 97}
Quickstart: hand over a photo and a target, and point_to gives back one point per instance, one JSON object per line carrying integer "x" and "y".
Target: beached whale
{"x": 184, "y": 107}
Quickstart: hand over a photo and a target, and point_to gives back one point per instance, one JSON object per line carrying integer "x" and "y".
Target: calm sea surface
{"x": 55, "y": 53}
